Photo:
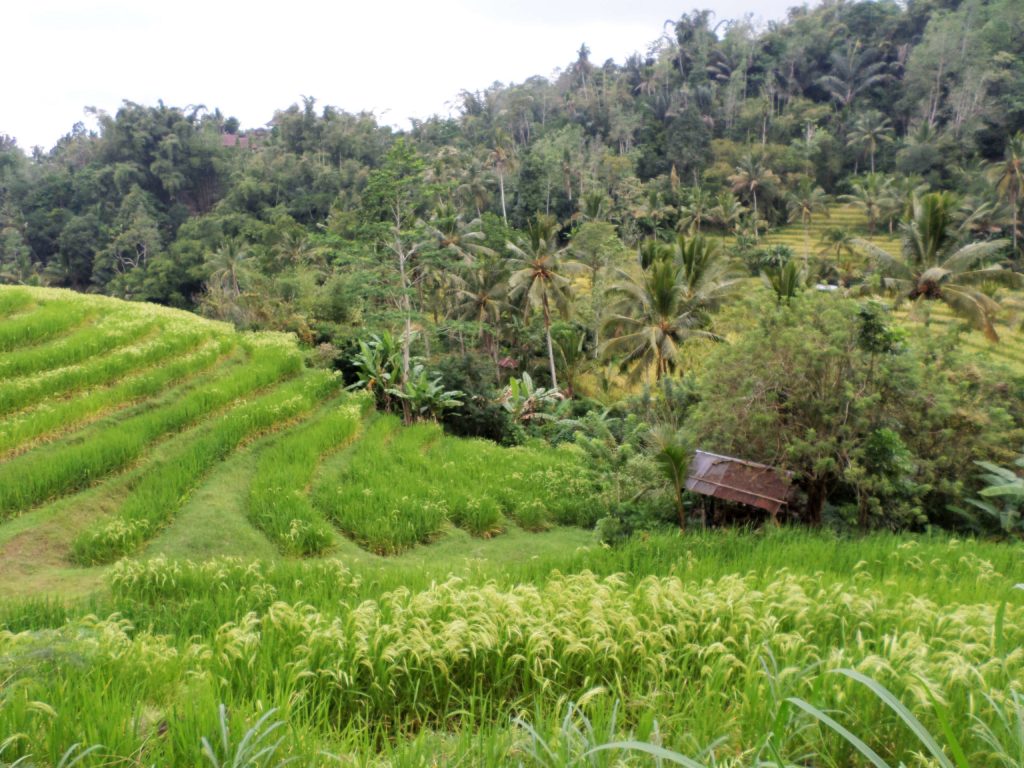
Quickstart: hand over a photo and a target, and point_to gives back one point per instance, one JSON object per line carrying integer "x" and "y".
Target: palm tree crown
{"x": 669, "y": 302}
{"x": 540, "y": 276}
{"x": 937, "y": 263}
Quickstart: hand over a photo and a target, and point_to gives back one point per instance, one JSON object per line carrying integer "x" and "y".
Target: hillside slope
{"x": 134, "y": 430}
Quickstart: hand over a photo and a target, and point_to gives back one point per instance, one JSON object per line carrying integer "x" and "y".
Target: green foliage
{"x": 941, "y": 263}
{"x": 525, "y": 402}
{"x": 673, "y": 458}
{"x": 823, "y": 388}
{"x": 786, "y": 281}
{"x": 1001, "y": 501}
{"x": 426, "y": 396}
{"x": 399, "y": 487}
{"x": 64, "y": 467}
{"x": 377, "y": 366}
{"x": 364, "y": 643}
{"x": 653, "y": 314}
{"x": 254, "y": 750}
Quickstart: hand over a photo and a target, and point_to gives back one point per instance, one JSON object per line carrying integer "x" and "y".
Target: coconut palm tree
{"x": 854, "y": 71}
{"x": 707, "y": 276}
{"x": 655, "y": 312}
{"x": 1008, "y": 175}
{"x": 695, "y": 211}
{"x": 503, "y": 159}
{"x": 229, "y": 265}
{"x": 872, "y": 193}
{"x": 726, "y": 212}
{"x": 803, "y": 202}
{"x": 870, "y": 130}
{"x": 472, "y": 191}
{"x": 481, "y": 297}
{"x": 937, "y": 263}
{"x": 838, "y": 245}
{"x": 753, "y": 174}
{"x": 456, "y": 237}
{"x": 540, "y": 277}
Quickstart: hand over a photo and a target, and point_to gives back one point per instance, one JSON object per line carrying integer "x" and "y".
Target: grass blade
{"x": 854, "y": 741}
{"x": 655, "y": 751}
{"x": 904, "y": 714}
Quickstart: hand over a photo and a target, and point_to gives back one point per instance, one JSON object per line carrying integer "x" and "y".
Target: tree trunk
{"x": 1014, "y": 211}
{"x": 501, "y": 187}
{"x": 551, "y": 349}
{"x": 753, "y": 191}
{"x": 816, "y": 493}
{"x": 680, "y": 508}
{"x": 807, "y": 242}
{"x": 407, "y": 333}
{"x": 862, "y": 514}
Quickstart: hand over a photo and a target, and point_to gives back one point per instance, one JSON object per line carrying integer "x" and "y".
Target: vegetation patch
{"x": 399, "y": 486}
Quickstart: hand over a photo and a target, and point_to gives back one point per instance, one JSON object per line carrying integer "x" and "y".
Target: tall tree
{"x": 503, "y": 159}
{"x": 751, "y": 176}
{"x": 871, "y": 193}
{"x": 394, "y": 196}
{"x": 654, "y": 313}
{"x": 1008, "y": 174}
{"x": 870, "y": 130}
{"x": 804, "y": 202}
{"x": 854, "y": 71}
{"x": 540, "y": 276}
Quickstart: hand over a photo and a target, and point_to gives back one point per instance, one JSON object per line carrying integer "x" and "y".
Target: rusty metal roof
{"x": 725, "y": 477}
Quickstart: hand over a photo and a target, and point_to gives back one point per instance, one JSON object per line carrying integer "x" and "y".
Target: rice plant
{"x": 112, "y": 331}
{"x": 21, "y": 391}
{"x": 162, "y": 489}
{"x": 399, "y": 486}
{"x": 402, "y": 666}
{"x": 69, "y": 466}
{"x": 19, "y": 430}
{"x": 277, "y": 501}
{"x": 14, "y": 300}
{"x": 46, "y": 321}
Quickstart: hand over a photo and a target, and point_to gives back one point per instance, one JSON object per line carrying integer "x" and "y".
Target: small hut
{"x": 745, "y": 482}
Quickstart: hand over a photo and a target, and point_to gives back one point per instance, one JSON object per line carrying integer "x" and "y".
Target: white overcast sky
{"x": 399, "y": 59}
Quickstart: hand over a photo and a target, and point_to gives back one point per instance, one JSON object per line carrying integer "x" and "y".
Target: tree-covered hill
{"x": 716, "y": 122}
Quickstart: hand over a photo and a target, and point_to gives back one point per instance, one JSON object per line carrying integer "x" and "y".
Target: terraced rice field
{"x": 112, "y": 415}
{"x": 932, "y": 318}
{"x": 807, "y": 241}
{"x": 212, "y": 555}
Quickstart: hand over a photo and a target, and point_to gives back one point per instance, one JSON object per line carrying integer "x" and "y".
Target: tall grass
{"x": 164, "y": 487}
{"x": 442, "y": 668}
{"x": 50, "y": 471}
{"x": 401, "y": 485}
{"x": 373, "y": 499}
{"x": 277, "y": 502}
{"x": 14, "y": 300}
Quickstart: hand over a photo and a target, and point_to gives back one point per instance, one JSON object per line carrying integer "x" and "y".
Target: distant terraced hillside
{"x": 808, "y": 241}
{"x": 132, "y": 429}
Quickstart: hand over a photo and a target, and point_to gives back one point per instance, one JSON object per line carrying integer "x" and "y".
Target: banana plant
{"x": 526, "y": 401}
